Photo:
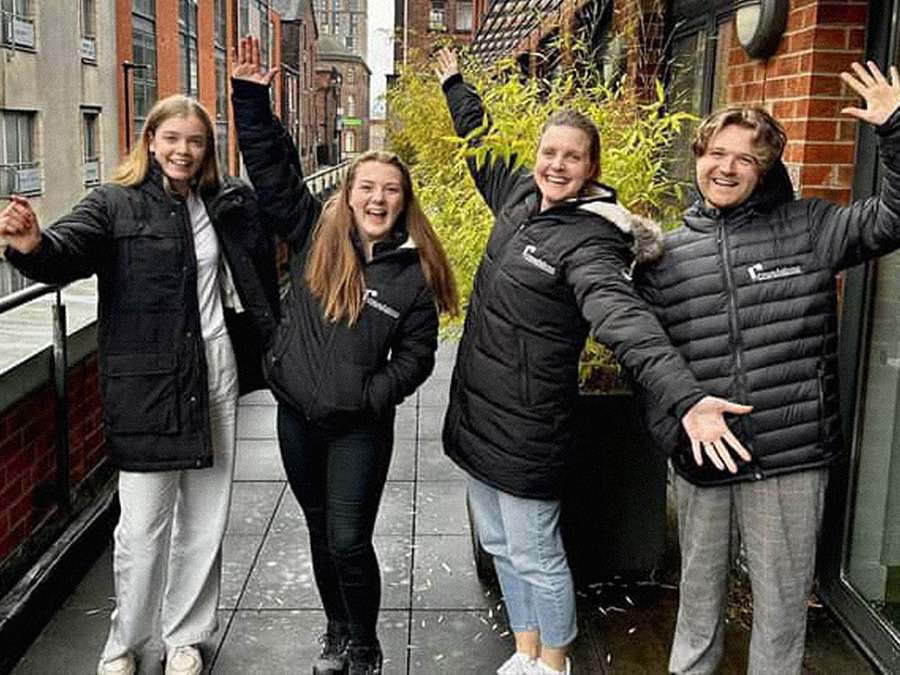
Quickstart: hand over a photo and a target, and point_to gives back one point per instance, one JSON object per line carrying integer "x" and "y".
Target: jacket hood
{"x": 647, "y": 234}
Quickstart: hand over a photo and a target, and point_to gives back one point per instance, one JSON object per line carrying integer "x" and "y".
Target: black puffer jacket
{"x": 139, "y": 242}
{"x": 546, "y": 280}
{"x": 330, "y": 370}
{"x": 749, "y": 298}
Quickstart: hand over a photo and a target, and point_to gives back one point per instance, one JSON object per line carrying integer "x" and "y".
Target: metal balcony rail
{"x": 60, "y": 369}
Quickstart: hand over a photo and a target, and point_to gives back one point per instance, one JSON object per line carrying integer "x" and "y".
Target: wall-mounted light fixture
{"x": 760, "y": 25}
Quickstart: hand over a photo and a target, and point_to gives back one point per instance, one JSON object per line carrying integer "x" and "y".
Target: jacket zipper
{"x": 201, "y": 400}
{"x": 725, "y": 252}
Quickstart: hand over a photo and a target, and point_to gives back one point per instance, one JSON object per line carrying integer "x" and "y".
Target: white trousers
{"x": 167, "y": 544}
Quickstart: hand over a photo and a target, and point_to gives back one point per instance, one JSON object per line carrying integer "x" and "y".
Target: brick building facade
{"x": 429, "y": 21}
{"x": 353, "y": 110}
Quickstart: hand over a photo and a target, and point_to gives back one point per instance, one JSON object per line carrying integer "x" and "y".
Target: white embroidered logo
{"x": 758, "y": 273}
{"x": 542, "y": 265}
{"x": 382, "y": 307}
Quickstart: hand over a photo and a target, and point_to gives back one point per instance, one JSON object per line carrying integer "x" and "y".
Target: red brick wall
{"x": 801, "y": 87}
{"x": 28, "y": 451}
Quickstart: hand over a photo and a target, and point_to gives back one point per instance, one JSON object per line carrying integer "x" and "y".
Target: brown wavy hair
{"x": 134, "y": 168}
{"x": 333, "y": 270}
{"x": 769, "y": 137}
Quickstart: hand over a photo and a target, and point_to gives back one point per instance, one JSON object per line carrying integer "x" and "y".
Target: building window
{"x": 464, "y": 16}
{"x": 437, "y": 15}
{"x": 349, "y": 142}
{"x": 19, "y": 170}
{"x": 17, "y": 23}
{"x": 88, "y": 18}
{"x": 351, "y": 74}
{"x": 90, "y": 130}
{"x": 351, "y": 106}
{"x": 221, "y": 57}
{"x": 187, "y": 37}
{"x": 143, "y": 40}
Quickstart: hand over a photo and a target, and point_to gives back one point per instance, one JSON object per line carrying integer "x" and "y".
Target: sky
{"x": 380, "y": 51}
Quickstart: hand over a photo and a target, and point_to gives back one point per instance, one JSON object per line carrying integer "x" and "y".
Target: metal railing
{"x": 60, "y": 375}
{"x": 324, "y": 181}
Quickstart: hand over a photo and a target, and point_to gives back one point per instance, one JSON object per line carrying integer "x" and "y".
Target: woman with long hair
{"x": 187, "y": 301}
{"x": 368, "y": 279}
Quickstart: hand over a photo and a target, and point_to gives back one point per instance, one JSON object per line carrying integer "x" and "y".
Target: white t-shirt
{"x": 206, "y": 246}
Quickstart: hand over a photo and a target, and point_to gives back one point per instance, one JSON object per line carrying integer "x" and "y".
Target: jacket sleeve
{"x": 622, "y": 321}
{"x": 74, "y": 247}
{"x": 273, "y": 165}
{"x": 496, "y": 178}
{"x": 412, "y": 357}
{"x": 844, "y": 236}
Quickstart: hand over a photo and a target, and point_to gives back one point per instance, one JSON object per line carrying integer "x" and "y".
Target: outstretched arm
{"x": 495, "y": 178}
{"x": 844, "y": 236}
{"x": 72, "y": 248}
{"x": 620, "y": 319}
{"x": 269, "y": 153}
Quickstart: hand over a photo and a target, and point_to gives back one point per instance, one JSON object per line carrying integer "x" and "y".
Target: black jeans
{"x": 338, "y": 475}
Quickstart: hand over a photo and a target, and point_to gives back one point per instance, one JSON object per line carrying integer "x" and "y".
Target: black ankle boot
{"x": 364, "y": 659}
{"x": 334, "y": 656}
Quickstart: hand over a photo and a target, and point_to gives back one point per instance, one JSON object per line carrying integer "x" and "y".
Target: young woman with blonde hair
{"x": 368, "y": 279}
{"x": 187, "y": 295}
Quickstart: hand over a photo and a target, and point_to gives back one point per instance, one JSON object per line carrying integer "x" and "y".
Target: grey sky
{"x": 381, "y": 51}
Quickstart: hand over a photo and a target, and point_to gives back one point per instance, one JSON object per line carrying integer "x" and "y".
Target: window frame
{"x": 18, "y": 25}
{"x": 90, "y": 130}
{"x": 21, "y": 163}
{"x": 87, "y": 19}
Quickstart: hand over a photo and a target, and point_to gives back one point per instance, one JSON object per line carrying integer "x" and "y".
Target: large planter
{"x": 614, "y": 507}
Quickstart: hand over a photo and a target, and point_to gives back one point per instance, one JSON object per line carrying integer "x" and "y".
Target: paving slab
{"x": 441, "y": 507}
{"x": 403, "y": 461}
{"x": 239, "y": 551}
{"x": 258, "y": 460}
{"x": 257, "y": 422}
{"x": 395, "y": 515}
{"x": 444, "y": 574}
{"x": 434, "y": 465}
{"x": 253, "y": 506}
{"x": 457, "y": 641}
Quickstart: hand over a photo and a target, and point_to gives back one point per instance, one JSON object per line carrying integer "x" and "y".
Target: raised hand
{"x": 882, "y": 97}
{"x": 245, "y": 64}
{"x": 19, "y": 225}
{"x": 447, "y": 66}
{"x": 709, "y": 434}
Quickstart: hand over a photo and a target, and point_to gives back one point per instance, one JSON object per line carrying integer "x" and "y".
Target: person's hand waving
{"x": 19, "y": 225}
{"x": 882, "y": 97}
{"x": 246, "y": 65}
{"x": 447, "y": 66}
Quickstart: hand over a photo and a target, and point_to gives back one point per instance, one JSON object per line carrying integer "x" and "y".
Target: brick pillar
{"x": 801, "y": 87}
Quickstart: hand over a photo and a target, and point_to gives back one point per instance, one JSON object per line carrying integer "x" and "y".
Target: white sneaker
{"x": 185, "y": 660}
{"x": 540, "y": 668}
{"x": 517, "y": 664}
{"x": 124, "y": 665}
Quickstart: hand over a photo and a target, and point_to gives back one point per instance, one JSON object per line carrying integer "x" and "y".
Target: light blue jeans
{"x": 524, "y": 538}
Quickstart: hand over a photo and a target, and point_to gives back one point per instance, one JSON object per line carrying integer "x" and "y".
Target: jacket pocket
{"x": 150, "y": 265}
{"x": 140, "y": 395}
{"x": 341, "y": 391}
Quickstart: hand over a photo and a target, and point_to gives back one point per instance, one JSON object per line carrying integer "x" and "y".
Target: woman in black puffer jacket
{"x": 187, "y": 300}
{"x": 359, "y": 334}
{"x": 557, "y": 267}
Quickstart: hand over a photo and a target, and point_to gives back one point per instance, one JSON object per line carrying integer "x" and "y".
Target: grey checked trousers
{"x": 778, "y": 520}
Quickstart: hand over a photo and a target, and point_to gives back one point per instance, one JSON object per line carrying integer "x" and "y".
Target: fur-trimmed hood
{"x": 647, "y": 233}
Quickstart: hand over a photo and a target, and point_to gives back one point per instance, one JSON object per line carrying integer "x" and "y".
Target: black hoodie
{"x": 749, "y": 297}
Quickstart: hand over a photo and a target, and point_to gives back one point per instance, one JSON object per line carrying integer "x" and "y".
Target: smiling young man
{"x": 746, "y": 291}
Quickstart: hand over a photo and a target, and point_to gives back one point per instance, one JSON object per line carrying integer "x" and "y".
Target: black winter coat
{"x": 139, "y": 242}
{"x": 748, "y": 296}
{"x": 333, "y": 372}
{"x": 547, "y": 279}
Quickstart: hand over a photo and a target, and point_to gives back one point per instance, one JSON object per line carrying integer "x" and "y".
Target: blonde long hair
{"x": 333, "y": 270}
{"x": 134, "y": 168}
